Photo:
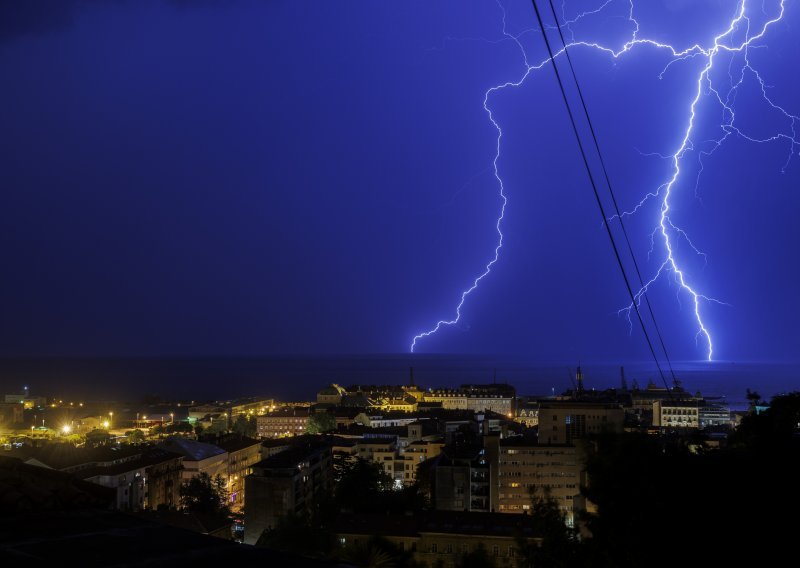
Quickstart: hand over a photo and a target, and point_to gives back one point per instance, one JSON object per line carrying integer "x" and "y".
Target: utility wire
{"x": 594, "y": 189}
{"x": 613, "y": 197}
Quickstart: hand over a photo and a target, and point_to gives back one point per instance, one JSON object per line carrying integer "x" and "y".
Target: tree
{"x": 376, "y": 552}
{"x": 361, "y": 486}
{"x": 245, "y": 426}
{"x": 556, "y": 545}
{"x": 135, "y": 436}
{"x": 298, "y": 534}
{"x": 202, "y": 494}
{"x": 97, "y": 438}
{"x": 218, "y": 426}
{"x": 320, "y": 422}
{"x": 754, "y": 399}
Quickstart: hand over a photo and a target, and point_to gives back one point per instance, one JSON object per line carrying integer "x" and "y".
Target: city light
{"x": 66, "y": 429}
{"x": 106, "y": 423}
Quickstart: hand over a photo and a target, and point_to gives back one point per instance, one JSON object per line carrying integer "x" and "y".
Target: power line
{"x": 594, "y": 189}
{"x": 611, "y": 192}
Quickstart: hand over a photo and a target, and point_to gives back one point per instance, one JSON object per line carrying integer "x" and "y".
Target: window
{"x": 449, "y": 549}
{"x": 495, "y": 550}
{"x": 434, "y": 548}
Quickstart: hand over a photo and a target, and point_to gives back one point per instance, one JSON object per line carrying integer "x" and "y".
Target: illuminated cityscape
{"x": 429, "y": 284}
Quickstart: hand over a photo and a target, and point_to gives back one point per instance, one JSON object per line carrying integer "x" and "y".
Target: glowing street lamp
{"x": 66, "y": 429}
{"x": 105, "y": 423}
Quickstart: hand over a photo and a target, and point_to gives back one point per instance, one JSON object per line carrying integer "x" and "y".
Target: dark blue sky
{"x": 251, "y": 177}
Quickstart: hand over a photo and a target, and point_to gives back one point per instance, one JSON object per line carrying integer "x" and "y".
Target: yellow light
{"x": 66, "y": 428}
{"x": 105, "y": 423}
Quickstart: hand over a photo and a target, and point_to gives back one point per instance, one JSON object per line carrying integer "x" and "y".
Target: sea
{"x": 295, "y": 378}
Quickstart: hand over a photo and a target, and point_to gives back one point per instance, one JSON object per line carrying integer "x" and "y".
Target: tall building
{"x": 285, "y": 483}
{"x": 140, "y": 478}
{"x": 198, "y": 457}
{"x": 243, "y": 453}
{"x": 147, "y": 482}
{"x": 520, "y": 466}
{"x": 564, "y": 421}
{"x": 461, "y": 480}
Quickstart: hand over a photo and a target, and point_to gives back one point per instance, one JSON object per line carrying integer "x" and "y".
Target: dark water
{"x": 295, "y": 378}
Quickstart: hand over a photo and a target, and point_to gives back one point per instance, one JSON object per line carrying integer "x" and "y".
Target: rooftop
{"x": 290, "y": 457}
{"x": 67, "y": 456}
{"x": 233, "y": 442}
{"x": 191, "y": 449}
{"x": 99, "y": 538}
{"x": 441, "y": 522}
{"x": 150, "y": 457}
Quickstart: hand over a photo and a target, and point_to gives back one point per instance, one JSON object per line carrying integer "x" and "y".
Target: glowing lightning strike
{"x": 503, "y": 197}
{"x": 724, "y": 42}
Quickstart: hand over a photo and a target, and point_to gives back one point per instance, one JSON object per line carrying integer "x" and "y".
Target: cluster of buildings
{"x": 149, "y": 477}
{"x": 483, "y": 454}
{"x": 485, "y": 450}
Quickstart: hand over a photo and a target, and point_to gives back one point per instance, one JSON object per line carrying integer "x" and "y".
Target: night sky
{"x": 263, "y": 177}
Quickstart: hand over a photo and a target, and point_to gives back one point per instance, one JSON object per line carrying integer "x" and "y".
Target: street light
{"x": 66, "y": 428}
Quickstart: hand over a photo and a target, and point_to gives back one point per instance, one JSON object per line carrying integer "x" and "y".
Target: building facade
{"x": 477, "y": 398}
{"x": 441, "y": 538}
{"x": 562, "y": 422}
{"x": 462, "y": 480}
{"x": 288, "y": 421}
{"x": 287, "y": 482}
{"x": 676, "y": 413}
{"x": 521, "y": 467}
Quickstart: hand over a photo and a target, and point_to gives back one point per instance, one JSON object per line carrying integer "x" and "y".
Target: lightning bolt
{"x": 737, "y": 38}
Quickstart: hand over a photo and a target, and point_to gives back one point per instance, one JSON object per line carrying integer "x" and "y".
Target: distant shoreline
{"x": 290, "y": 377}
